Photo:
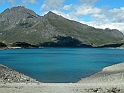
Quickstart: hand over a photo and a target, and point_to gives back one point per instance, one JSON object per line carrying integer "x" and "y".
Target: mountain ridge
{"x": 19, "y": 24}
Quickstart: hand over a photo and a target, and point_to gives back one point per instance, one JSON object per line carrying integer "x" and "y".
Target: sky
{"x": 97, "y": 13}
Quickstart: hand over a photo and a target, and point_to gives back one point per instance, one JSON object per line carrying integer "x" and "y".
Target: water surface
{"x": 60, "y": 64}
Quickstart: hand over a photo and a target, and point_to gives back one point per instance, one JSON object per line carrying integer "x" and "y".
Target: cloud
{"x": 2, "y": 1}
{"x": 87, "y": 2}
{"x": 51, "y": 5}
{"x": 29, "y": 1}
{"x": 104, "y": 25}
{"x": 12, "y": 2}
{"x": 86, "y": 9}
{"x": 117, "y": 14}
{"x": 67, "y": 7}
{"x": 113, "y": 19}
{"x": 99, "y": 17}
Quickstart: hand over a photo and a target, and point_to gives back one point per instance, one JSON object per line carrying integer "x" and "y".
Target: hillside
{"x": 19, "y": 24}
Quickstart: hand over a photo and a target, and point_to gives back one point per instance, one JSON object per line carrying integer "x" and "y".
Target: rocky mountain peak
{"x": 19, "y": 10}
{"x": 12, "y": 16}
{"x": 50, "y": 13}
{"x": 53, "y": 15}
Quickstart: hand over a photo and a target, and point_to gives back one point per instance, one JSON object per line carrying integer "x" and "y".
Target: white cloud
{"x": 104, "y": 25}
{"x": 51, "y": 5}
{"x": 99, "y": 17}
{"x": 113, "y": 19}
{"x": 29, "y": 1}
{"x": 86, "y": 9}
{"x": 12, "y": 2}
{"x": 44, "y": 7}
{"x": 67, "y": 7}
{"x": 87, "y": 2}
{"x": 117, "y": 14}
{"x": 2, "y": 1}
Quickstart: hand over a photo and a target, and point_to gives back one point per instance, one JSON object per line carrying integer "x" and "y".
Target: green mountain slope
{"x": 19, "y": 24}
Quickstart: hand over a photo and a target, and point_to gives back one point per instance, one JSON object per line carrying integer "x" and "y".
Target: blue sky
{"x": 97, "y": 13}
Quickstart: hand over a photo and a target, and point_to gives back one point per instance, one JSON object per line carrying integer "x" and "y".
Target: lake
{"x": 60, "y": 65}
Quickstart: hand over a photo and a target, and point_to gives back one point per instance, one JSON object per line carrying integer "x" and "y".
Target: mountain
{"x": 19, "y": 24}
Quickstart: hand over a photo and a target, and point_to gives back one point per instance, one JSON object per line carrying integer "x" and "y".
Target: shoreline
{"x": 8, "y": 75}
{"x": 108, "y": 74}
{"x": 13, "y": 48}
{"x": 109, "y": 80}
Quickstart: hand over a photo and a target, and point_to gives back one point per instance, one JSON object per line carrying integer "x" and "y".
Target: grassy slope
{"x": 88, "y": 35}
{"x": 51, "y": 26}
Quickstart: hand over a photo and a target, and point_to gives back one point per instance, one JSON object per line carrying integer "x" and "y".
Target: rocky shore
{"x": 8, "y": 75}
{"x": 109, "y": 80}
{"x": 112, "y": 74}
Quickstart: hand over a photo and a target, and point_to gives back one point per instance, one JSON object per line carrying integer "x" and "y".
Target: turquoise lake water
{"x": 60, "y": 64}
